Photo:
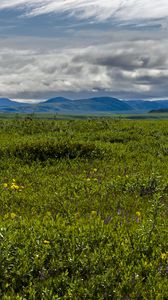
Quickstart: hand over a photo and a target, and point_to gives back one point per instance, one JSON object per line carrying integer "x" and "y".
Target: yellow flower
{"x": 163, "y": 256}
{"x": 14, "y": 186}
{"x": 13, "y": 216}
{"x": 46, "y": 242}
{"x": 5, "y": 185}
{"x": 138, "y": 214}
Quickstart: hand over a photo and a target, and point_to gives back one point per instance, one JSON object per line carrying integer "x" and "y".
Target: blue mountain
{"x": 96, "y": 105}
{"x": 5, "y": 102}
{"x": 147, "y": 105}
{"x": 82, "y": 106}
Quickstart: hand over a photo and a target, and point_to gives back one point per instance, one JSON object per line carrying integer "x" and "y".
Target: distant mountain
{"x": 10, "y": 106}
{"x": 147, "y": 105}
{"x": 102, "y": 104}
{"x": 5, "y": 102}
{"x": 57, "y": 100}
{"x": 97, "y": 105}
{"x": 83, "y": 106}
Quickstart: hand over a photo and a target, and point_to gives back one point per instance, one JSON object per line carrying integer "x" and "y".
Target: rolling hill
{"x": 83, "y": 106}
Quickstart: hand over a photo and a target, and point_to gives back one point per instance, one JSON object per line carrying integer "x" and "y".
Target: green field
{"x": 56, "y": 116}
{"x": 83, "y": 209}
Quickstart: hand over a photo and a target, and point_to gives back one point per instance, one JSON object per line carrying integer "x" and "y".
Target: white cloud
{"x": 123, "y": 68}
{"x": 122, "y": 10}
{"x": 135, "y": 62}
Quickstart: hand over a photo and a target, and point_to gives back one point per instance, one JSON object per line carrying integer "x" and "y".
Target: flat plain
{"x": 83, "y": 209}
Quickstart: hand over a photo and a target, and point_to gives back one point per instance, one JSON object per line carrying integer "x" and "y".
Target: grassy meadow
{"x": 83, "y": 209}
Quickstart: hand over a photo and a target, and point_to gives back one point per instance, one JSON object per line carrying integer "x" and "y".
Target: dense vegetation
{"x": 83, "y": 209}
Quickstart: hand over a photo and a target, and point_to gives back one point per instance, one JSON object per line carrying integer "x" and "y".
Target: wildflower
{"x": 138, "y": 216}
{"x": 13, "y": 216}
{"x": 5, "y": 185}
{"x": 163, "y": 256}
{"x": 14, "y": 186}
{"x": 46, "y": 242}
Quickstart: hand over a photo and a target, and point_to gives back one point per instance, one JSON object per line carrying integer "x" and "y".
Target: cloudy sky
{"x": 81, "y": 48}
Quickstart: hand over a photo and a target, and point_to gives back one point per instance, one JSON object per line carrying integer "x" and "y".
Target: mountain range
{"x": 97, "y": 105}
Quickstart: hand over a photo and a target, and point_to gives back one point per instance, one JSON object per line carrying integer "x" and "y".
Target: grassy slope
{"x": 83, "y": 209}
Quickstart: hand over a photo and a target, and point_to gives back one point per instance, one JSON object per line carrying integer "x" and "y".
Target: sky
{"x": 83, "y": 48}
